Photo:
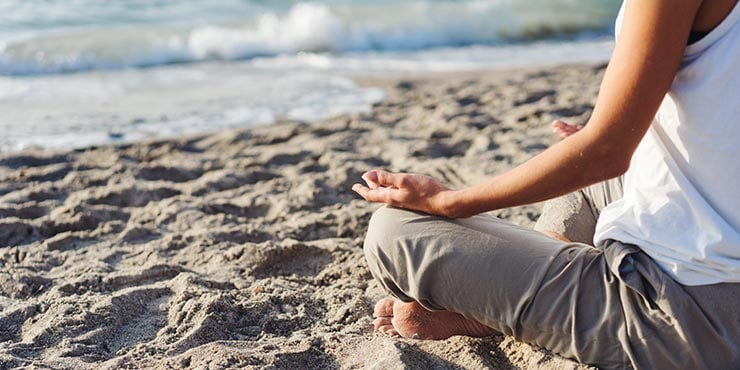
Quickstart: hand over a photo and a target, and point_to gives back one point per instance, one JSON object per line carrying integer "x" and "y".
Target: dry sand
{"x": 243, "y": 249}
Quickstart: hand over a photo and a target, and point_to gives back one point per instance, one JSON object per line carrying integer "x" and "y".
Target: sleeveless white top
{"x": 681, "y": 202}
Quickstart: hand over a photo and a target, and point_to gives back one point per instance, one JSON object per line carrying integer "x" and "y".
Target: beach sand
{"x": 243, "y": 249}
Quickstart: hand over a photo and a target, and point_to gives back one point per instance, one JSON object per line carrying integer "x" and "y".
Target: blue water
{"x": 86, "y": 72}
{"x": 40, "y": 36}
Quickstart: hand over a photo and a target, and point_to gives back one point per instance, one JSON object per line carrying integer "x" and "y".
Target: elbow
{"x": 612, "y": 166}
{"x": 608, "y": 158}
{"x": 620, "y": 168}
{"x": 611, "y": 155}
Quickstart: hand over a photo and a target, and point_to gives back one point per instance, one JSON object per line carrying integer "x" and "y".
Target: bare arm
{"x": 645, "y": 61}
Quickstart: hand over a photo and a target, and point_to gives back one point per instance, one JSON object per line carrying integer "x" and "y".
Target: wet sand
{"x": 243, "y": 249}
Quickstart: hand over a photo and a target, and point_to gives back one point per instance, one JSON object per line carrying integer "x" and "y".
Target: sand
{"x": 243, "y": 249}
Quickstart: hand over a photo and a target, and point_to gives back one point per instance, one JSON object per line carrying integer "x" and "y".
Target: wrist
{"x": 450, "y": 204}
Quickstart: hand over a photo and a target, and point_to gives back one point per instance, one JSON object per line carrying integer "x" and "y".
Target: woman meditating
{"x": 636, "y": 271}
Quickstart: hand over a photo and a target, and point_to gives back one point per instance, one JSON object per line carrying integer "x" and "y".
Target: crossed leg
{"x": 481, "y": 275}
{"x": 446, "y": 274}
{"x": 568, "y": 218}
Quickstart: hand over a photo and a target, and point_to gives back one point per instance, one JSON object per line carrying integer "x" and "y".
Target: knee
{"x": 400, "y": 252}
{"x": 383, "y": 250}
{"x": 387, "y": 228}
{"x": 381, "y": 233}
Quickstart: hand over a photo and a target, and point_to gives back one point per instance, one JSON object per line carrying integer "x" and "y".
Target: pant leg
{"x": 574, "y": 215}
{"x": 671, "y": 326}
{"x": 567, "y": 297}
{"x": 517, "y": 281}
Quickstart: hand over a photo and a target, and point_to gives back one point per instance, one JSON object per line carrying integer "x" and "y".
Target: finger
{"x": 371, "y": 180}
{"x": 565, "y": 129}
{"x": 559, "y": 128}
{"x": 560, "y": 124}
{"x": 562, "y": 133}
{"x": 363, "y": 191}
{"x": 377, "y": 195}
{"x": 385, "y": 178}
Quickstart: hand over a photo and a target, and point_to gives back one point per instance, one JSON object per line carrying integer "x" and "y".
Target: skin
{"x": 645, "y": 60}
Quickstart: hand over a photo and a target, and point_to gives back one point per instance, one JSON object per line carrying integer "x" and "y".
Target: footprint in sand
{"x": 294, "y": 259}
{"x": 169, "y": 174}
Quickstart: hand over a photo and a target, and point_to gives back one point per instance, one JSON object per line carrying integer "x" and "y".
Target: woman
{"x": 656, "y": 284}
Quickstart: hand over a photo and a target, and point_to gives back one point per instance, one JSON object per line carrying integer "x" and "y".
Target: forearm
{"x": 644, "y": 63}
{"x": 572, "y": 164}
{"x": 641, "y": 70}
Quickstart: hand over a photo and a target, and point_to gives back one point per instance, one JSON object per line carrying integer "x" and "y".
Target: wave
{"x": 307, "y": 27}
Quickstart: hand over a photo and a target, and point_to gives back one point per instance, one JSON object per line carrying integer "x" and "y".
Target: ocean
{"x": 75, "y": 73}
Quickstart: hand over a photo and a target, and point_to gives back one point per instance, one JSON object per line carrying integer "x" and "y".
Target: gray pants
{"x": 610, "y": 306}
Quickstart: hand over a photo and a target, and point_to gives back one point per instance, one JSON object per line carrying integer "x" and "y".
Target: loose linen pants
{"x": 609, "y": 306}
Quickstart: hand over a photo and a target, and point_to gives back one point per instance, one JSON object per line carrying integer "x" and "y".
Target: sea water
{"x": 75, "y": 73}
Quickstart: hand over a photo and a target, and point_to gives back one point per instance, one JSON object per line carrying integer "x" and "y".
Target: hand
{"x": 565, "y": 129}
{"x": 402, "y": 190}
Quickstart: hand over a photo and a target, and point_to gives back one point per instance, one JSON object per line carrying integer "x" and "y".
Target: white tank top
{"x": 681, "y": 202}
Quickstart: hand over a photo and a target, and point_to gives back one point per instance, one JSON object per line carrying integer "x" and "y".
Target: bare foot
{"x": 565, "y": 129}
{"x": 411, "y": 320}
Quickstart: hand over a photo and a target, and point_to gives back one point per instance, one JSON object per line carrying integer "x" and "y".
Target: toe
{"x": 389, "y": 330}
{"x": 384, "y": 308}
{"x": 385, "y": 326}
{"x": 382, "y": 321}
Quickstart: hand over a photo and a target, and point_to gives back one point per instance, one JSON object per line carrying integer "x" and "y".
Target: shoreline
{"x": 243, "y": 248}
{"x": 130, "y": 105}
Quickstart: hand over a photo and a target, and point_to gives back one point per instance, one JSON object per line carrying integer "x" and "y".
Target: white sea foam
{"x": 305, "y": 27}
{"x": 231, "y": 67}
{"x": 74, "y": 110}
{"x": 77, "y": 110}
